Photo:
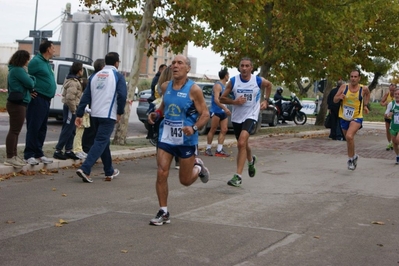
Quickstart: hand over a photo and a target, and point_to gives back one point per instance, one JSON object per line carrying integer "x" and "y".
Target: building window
{"x": 154, "y": 66}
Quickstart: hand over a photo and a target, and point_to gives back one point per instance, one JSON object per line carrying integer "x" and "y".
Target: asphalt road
{"x": 303, "y": 207}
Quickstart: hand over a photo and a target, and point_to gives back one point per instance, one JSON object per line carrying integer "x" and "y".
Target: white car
{"x": 61, "y": 68}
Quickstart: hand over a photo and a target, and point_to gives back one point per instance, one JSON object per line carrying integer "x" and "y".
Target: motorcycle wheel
{"x": 300, "y": 118}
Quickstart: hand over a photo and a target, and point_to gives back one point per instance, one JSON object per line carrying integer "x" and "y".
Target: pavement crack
{"x": 281, "y": 243}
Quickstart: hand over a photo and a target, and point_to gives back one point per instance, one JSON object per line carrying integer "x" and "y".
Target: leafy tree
{"x": 288, "y": 39}
{"x": 159, "y": 22}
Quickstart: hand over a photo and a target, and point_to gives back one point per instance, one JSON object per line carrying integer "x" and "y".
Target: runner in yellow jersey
{"x": 354, "y": 98}
{"x": 385, "y": 100}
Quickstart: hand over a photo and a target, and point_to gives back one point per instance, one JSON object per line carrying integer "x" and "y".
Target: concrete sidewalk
{"x": 303, "y": 207}
{"x": 128, "y": 153}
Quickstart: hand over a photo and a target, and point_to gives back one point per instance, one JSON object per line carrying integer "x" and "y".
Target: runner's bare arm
{"x": 340, "y": 94}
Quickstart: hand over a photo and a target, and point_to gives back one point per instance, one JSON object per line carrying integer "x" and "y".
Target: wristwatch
{"x": 195, "y": 128}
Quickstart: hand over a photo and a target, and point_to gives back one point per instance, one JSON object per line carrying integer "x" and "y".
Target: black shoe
{"x": 71, "y": 155}
{"x": 59, "y": 155}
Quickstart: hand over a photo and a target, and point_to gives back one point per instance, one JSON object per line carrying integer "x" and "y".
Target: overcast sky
{"x": 17, "y": 18}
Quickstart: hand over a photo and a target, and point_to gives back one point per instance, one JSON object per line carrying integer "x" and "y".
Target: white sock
{"x": 208, "y": 146}
{"x": 198, "y": 167}
{"x": 165, "y": 209}
{"x": 220, "y": 147}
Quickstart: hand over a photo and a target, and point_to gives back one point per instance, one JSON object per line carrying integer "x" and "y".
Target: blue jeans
{"x": 68, "y": 130}
{"x": 36, "y": 127}
{"x": 100, "y": 148}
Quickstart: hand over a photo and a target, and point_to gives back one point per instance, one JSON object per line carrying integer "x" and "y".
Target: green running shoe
{"x": 236, "y": 181}
{"x": 251, "y": 167}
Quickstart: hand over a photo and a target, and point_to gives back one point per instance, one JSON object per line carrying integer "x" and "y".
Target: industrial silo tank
{"x": 100, "y": 41}
{"x": 81, "y": 16}
{"x": 194, "y": 65}
{"x": 116, "y": 44}
{"x": 102, "y": 17}
{"x": 68, "y": 38}
{"x": 84, "y": 39}
{"x": 128, "y": 51}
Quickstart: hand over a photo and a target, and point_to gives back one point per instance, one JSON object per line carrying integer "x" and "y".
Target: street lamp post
{"x": 37, "y": 34}
{"x": 36, "y": 38}
{"x": 37, "y": 3}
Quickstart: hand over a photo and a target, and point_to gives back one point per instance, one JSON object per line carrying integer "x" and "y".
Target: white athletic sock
{"x": 220, "y": 147}
{"x": 165, "y": 209}
{"x": 208, "y": 146}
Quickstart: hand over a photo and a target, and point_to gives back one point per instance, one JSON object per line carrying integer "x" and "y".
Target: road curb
{"x": 144, "y": 152}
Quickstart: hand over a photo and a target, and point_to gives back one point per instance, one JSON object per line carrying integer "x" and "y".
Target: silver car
{"x": 269, "y": 116}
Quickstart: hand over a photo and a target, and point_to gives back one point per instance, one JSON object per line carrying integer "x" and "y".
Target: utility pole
{"x": 37, "y": 34}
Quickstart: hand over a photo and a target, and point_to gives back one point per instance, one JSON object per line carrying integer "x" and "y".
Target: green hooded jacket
{"x": 20, "y": 81}
{"x": 45, "y": 82}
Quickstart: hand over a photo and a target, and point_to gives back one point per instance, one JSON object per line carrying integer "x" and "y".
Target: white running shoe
{"x": 45, "y": 160}
{"x": 81, "y": 155}
{"x": 115, "y": 174}
{"x": 32, "y": 161}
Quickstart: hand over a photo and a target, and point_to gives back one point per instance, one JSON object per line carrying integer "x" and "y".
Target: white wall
{"x": 6, "y": 51}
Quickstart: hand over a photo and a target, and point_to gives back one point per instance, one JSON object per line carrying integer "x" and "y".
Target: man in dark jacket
{"x": 278, "y": 98}
{"x": 333, "y": 109}
{"x": 155, "y": 82}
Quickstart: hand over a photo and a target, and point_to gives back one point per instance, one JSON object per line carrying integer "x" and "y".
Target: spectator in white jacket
{"x": 106, "y": 94}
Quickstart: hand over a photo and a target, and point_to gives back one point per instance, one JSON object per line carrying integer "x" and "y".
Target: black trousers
{"x": 335, "y": 131}
{"x": 88, "y": 136}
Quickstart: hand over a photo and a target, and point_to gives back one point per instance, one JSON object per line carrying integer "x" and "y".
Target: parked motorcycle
{"x": 291, "y": 111}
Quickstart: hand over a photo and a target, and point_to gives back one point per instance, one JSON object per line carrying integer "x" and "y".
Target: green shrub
{"x": 144, "y": 84}
{"x": 3, "y": 77}
{"x": 376, "y": 113}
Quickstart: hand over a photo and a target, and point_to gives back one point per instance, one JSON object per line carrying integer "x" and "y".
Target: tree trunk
{"x": 140, "y": 51}
{"x": 321, "y": 116}
{"x": 303, "y": 91}
{"x": 374, "y": 82}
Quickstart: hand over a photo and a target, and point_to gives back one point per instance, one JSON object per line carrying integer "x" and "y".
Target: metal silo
{"x": 194, "y": 65}
{"x": 116, "y": 44}
{"x": 84, "y": 40}
{"x": 128, "y": 53}
{"x": 100, "y": 41}
{"x": 104, "y": 16}
{"x": 80, "y": 16}
{"x": 68, "y": 38}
